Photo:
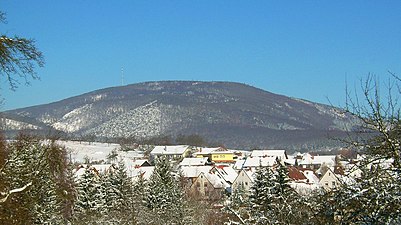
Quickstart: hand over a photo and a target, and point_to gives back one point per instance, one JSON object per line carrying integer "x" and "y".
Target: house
{"x": 142, "y": 173}
{"x": 190, "y": 173}
{"x": 239, "y": 164}
{"x": 176, "y": 152}
{"x": 300, "y": 175}
{"x": 206, "y": 152}
{"x": 279, "y": 154}
{"x": 303, "y": 181}
{"x": 98, "y": 169}
{"x": 194, "y": 161}
{"x": 315, "y": 162}
{"x": 254, "y": 162}
{"x": 330, "y": 180}
{"x": 219, "y": 154}
{"x": 243, "y": 180}
{"x": 140, "y": 163}
{"x": 227, "y": 173}
{"x": 208, "y": 186}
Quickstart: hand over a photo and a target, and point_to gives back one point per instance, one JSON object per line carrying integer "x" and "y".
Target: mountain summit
{"x": 234, "y": 114}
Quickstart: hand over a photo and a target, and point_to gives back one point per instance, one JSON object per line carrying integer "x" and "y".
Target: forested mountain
{"x": 233, "y": 114}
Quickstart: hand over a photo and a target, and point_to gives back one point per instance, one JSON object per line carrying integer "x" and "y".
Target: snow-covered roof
{"x": 259, "y": 161}
{"x": 290, "y": 161}
{"x": 308, "y": 159}
{"x": 215, "y": 180}
{"x": 145, "y": 172}
{"x": 311, "y": 176}
{"x": 169, "y": 150}
{"x": 79, "y": 172}
{"x": 194, "y": 171}
{"x": 226, "y": 172}
{"x": 202, "y": 151}
{"x": 281, "y": 154}
{"x": 102, "y": 168}
{"x": 295, "y": 174}
{"x": 139, "y": 162}
{"x": 239, "y": 164}
{"x": 209, "y": 151}
{"x": 194, "y": 161}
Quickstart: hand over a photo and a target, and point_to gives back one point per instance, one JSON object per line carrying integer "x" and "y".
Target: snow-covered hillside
{"x": 95, "y": 151}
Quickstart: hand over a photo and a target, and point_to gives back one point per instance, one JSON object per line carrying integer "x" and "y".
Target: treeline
{"x": 39, "y": 186}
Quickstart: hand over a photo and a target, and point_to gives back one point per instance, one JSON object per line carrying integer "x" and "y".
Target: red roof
{"x": 295, "y": 174}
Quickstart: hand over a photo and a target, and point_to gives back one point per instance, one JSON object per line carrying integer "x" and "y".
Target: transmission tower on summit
{"x": 122, "y": 76}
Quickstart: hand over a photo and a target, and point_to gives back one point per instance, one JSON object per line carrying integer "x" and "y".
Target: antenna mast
{"x": 122, "y": 76}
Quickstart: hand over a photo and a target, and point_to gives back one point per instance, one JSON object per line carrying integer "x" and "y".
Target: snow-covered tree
{"x": 163, "y": 195}
{"x": 31, "y": 183}
{"x": 285, "y": 204}
{"x": 237, "y": 206}
{"x": 91, "y": 201}
{"x": 373, "y": 198}
{"x": 118, "y": 193}
{"x": 261, "y": 196}
{"x": 272, "y": 200}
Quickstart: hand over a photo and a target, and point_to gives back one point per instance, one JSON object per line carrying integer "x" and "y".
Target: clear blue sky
{"x": 302, "y": 49}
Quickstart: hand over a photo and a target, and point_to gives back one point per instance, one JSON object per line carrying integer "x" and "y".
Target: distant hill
{"x": 237, "y": 115}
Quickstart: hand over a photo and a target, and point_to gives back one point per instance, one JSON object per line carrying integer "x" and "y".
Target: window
{"x": 327, "y": 183}
{"x": 246, "y": 183}
{"x": 333, "y": 183}
{"x": 205, "y": 184}
{"x": 198, "y": 184}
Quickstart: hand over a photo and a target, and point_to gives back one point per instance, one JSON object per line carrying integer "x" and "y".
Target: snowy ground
{"x": 96, "y": 151}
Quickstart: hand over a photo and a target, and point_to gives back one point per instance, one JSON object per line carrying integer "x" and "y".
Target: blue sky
{"x": 303, "y": 49}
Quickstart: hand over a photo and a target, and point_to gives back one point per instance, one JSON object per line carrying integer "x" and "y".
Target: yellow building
{"x": 223, "y": 156}
{"x": 216, "y": 154}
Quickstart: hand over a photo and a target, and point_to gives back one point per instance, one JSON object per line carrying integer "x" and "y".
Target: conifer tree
{"x": 90, "y": 203}
{"x": 284, "y": 204}
{"x": 28, "y": 166}
{"x": 261, "y": 196}
{"x": 164, "y": 197}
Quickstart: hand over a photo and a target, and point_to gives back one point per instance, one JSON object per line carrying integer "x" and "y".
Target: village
{"x": 209, "y": 173}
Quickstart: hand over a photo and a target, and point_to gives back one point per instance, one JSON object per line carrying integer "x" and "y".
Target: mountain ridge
{"x": 156, "y": 108}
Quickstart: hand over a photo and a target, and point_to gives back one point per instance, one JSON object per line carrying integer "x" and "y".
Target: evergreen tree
{"x": 118, "y": 193}
{"x": 90, "y": 203}
{"x": 261, "y": 196}
{"x": 284, "y": 204}
{"x": 28, "y": 166}
{"x": 238, "y": 206}
{"x": 164, "y": 197}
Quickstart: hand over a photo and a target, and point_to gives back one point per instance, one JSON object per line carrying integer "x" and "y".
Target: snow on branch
{"x": 16, "y": 190}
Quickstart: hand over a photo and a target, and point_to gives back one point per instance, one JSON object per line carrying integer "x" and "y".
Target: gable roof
{"x": 247, "y": 173}
{"x": 194, "y": 171}
{"x": 259, "y": 161}
{"x": 194, "y": 161}
{"x": 145, "y": 172}
{"x": 308, "y": 159}
{"x": 281, "y": 154}
{"x": 169, "y": 150}
{"x": 225, "y": 172}
{"x": 140, "y": 162}
{"x": 239, "y": 164}
{"x": 215, "y": 180}
{"x": 210, "y": 151}
{"x": 295, "y": 174}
